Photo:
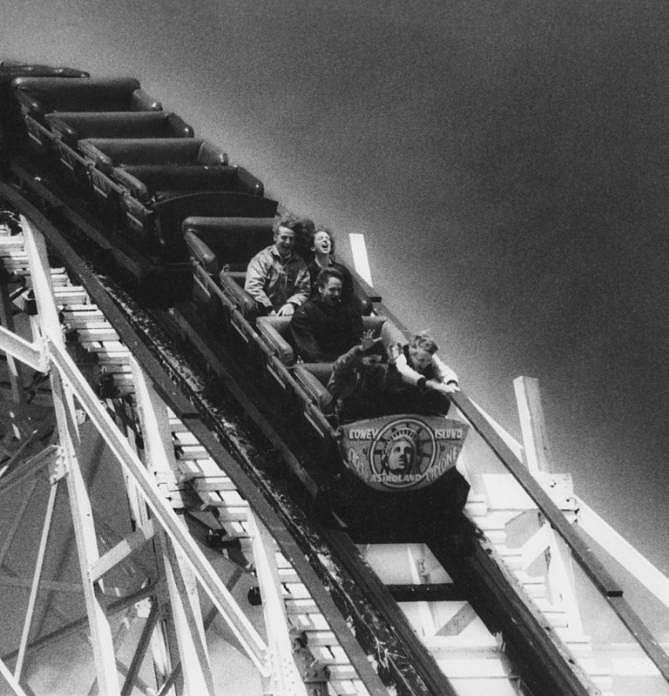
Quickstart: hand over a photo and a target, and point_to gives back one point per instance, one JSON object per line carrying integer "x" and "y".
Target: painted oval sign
{"x": 402, "y": 452}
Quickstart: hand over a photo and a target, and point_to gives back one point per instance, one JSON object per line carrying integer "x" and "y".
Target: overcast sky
{"x": 506, "y": 161}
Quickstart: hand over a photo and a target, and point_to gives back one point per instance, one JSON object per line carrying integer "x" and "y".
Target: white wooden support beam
{"x": 28, "y": 468}
{"x": 16, "y": 522}
{"x": 86, "y": 542}
{"x": 78, "y": 625}
{"x": 140, "y": 649}
{"x": 561, "y": 582}
{"x": 538, "y": 460}
{"x": 80, "y": 506}
{"x": 182, "y": 627}
{"x": 187, "y": 617}
{"x": 360, "y": 258}
{"x": 5, "y": 672}
{"x": 176, "y": 672}
{"x": 39, "y": 564}
{"x": 285, "y": 679}
{"x": 623, "y": 552}
{"x": 462, "y": 618}
{"x": 46, "y": 323}
{"x": 9, "y": 580}
{"x": 156, "y": 431}
{"x": 62, "y": 544}
{"x": 536, "y": 545}
{"x": 130, "y": 543}
{"x": 416, "y": 565}
{"x": 7, "y": 321}
{"x": 532, "y": 424}
{"x": 31, "y": 354}
{"x": 163, "y": 513}
{"x": 68, "y": 379}
{"x": 16, "y": 461}
{"x": 117, "y": 639}
{"x": 162, "y": 639}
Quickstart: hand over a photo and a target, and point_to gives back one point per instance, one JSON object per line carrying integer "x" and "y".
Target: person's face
{"x": 331, "y": 291}
{"x": 401, "y": 456}
{"x": 284, "y": 239}
{"x": 420, "y": 358}
{"x": 322, "y": 243}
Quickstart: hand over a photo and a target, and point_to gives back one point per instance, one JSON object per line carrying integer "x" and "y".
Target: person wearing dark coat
{"x": 323, "y": 328}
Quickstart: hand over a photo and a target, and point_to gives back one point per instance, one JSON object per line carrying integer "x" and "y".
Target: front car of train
{"x": 392, "y": 468}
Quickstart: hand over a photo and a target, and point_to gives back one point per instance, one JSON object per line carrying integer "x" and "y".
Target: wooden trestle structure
{"x": 199, "y": 567}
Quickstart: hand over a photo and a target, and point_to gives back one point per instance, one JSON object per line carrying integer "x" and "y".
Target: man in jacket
{"x": 324, "y": 328}
{"x": 277, "y": 278}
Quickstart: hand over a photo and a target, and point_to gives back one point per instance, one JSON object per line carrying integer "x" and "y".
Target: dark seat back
{"x": 187, "y": 177}
{"x": 10, "y": 114}
{"x": 42, "y": 95}
{"x": 277, "y": 334}
{"x": 76, "y": 125}
{"x": 172, "y": 212}
{"x": 108, "y": 152}
{"x": 232, "y": 241}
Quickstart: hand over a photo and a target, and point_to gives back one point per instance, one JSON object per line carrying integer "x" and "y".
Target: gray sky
{"x": 506, "y": 161}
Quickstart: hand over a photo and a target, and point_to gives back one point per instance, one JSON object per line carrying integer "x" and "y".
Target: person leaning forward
{"x": 277, "y": 278}
{"x": 323, "y": 328}
{"x": 418, "y": 381}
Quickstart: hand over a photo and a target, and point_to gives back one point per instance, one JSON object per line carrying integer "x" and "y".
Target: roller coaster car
{"x": 143, "y": 184}
{"x": 11, "y": 132}
{"x": 72, "y": 126}
{"x": 68, "y": 128}
{"x": 390, "y": 467}
{"x": 39, "y": 96}
{"x": 142, "y": 175}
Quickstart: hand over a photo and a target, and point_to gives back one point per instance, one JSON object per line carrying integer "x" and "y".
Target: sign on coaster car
{"x": 401, "y": 452}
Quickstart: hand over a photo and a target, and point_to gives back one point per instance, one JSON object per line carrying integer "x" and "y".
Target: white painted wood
{"x": 122, "y": 550}
{"x": 82, "y": 515}
{"x": 532, "y": 424}
{"x": 16, "y": 522}
{"x": 614, "y": 543}
{"x": 360, "y": 258}
{"x": 6, "y": 673}
{"x": 165, "y": 516}
{"x": 285, "y": 679}
{"x": 39, "y": 564}
{"x": 31, "y": 354}
{"x": 187, "y": 617}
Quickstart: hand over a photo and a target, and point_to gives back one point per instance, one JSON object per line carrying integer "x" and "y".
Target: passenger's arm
{"x": 305, "y": 342}
{"x": 302, "y": 288}
{"x": 408, "y": 374}
{"x": 446, "y": 379}
{"x": 342, "y": 372}
{"x": 256, "y": 275}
